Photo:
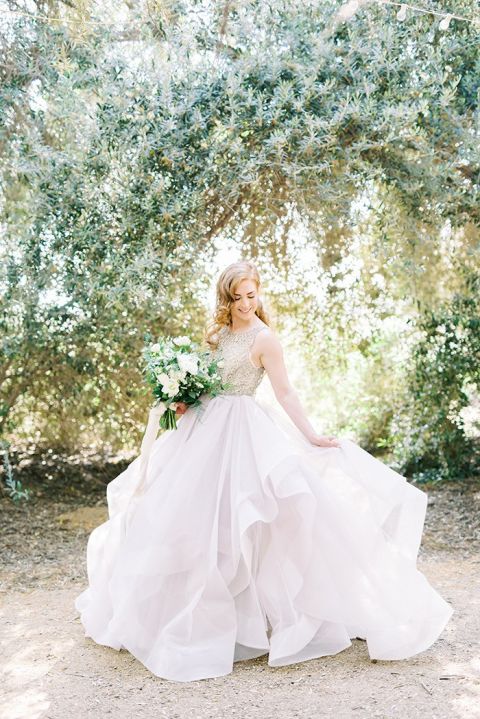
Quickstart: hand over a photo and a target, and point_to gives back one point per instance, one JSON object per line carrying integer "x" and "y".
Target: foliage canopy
{"x": 131, "y": 148}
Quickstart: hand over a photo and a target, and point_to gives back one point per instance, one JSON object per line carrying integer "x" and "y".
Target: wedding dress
{"x": 240, "y": 538}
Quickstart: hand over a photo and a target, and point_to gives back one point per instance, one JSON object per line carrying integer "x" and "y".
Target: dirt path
{"x": 50, "y": 670}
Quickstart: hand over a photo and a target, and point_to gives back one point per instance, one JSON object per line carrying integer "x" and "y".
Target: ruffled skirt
{"x": 248, "y": 540}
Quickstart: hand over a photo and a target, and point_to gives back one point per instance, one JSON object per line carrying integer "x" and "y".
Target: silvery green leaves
{"x": 178, "y": 371}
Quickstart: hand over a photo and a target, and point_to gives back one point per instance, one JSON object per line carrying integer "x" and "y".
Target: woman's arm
{"x": 270, "y": 352}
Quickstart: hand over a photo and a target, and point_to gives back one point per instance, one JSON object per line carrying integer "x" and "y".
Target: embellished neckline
{"x": 243, "y": 332}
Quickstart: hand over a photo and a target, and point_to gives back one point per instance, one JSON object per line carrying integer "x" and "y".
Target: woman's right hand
{"x": 181, "y": 408}
{"x": 322, "y": 441}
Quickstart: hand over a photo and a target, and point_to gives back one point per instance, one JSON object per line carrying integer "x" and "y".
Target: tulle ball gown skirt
{"x": 247, "y": 540}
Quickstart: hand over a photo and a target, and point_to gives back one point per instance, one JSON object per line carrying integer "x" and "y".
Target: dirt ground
{"x": 50, "y": 670}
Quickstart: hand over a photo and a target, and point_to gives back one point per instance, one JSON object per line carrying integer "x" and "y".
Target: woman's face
{"x": 245, "y": 300}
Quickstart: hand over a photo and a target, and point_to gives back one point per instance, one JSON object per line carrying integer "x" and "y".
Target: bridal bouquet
{"x": 178, "y": 372}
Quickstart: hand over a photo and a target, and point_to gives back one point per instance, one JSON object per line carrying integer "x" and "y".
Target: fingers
{"x": 330, "y": 442}
{"x": 324, "y": 441}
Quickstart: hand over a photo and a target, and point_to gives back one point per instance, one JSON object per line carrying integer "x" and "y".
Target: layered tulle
{"x": 249, "y": 540}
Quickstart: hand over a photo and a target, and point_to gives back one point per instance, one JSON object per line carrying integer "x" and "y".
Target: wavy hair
{"x": 227, "y": 283}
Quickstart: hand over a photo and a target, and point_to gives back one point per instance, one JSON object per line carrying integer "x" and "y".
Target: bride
{"x": 242, "y": 533}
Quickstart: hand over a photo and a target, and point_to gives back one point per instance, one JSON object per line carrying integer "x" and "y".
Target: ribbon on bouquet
{"x": 151, "y": 431}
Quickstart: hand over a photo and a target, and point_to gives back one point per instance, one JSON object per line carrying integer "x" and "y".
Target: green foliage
{"x": 429, "y": 436}
{"x": 12, "y": 486}
{"x": 127, "y": 154}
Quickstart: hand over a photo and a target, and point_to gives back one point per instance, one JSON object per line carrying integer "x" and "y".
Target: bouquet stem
{"x": 168, "y": 420}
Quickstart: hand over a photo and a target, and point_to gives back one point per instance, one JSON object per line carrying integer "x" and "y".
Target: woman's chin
{"x": 245, "y": 315}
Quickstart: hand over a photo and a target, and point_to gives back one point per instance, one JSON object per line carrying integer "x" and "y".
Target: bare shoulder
{"x": 267, "y": 338}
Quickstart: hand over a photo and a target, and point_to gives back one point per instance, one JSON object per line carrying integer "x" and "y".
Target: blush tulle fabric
{"x": 246, "y": 540}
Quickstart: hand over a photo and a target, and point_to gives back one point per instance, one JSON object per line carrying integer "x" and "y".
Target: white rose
{"x": 163, "y": 378}
{"x": 188, "y": 363}
{"x": 178, "y": 375}
{"x": 181, "y": 340}
{"x": 171, "y": 389}
{"x": 155, "y": 348}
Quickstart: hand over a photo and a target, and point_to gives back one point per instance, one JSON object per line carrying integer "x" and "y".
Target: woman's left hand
{"x": 321, "y": 441}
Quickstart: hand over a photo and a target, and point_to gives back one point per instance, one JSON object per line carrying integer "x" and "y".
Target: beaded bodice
{"x": 237, "y": 368}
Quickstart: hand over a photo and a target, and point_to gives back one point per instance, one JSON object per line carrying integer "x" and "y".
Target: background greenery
{"x": 143, "y": 141}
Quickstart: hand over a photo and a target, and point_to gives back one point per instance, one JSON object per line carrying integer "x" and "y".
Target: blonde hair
{"x": 227, "y": 283}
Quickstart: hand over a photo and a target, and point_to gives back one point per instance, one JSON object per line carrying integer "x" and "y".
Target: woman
{"x": 240, "y": 534}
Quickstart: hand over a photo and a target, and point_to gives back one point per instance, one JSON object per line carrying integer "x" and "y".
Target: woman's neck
{"x": 244, "y": 326}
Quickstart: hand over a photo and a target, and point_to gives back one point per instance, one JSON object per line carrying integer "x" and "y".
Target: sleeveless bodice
{"x": 237, "y": 369}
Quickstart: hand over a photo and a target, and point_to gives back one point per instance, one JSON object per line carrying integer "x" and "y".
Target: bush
{"x": 428, "y": 431}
